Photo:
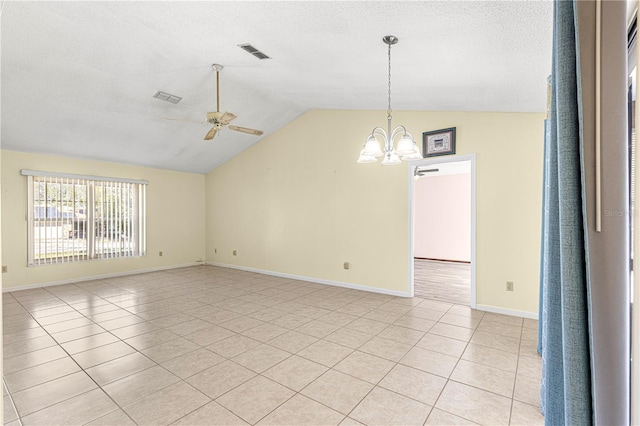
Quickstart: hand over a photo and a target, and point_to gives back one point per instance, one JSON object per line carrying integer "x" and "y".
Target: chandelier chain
{"x": 389, "y": 104}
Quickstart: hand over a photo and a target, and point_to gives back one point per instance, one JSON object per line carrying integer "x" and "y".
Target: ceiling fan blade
{"x": 211, "y": 134}
{"x": 227, "y": 117}
{"x": 246, "y": 130}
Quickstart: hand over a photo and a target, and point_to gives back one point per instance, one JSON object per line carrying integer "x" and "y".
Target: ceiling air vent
{"x": 167, "y": 97}
{"x": 255, "y": 52}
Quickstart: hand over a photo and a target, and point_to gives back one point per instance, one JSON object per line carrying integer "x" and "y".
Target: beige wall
{"x": 298, "y": 203}
{"x": 175, "y": 219}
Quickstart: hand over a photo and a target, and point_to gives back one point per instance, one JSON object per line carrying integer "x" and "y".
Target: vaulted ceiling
{"x": 78, "y": 78}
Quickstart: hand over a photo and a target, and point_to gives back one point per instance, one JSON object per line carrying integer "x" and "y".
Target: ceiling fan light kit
{"x": 407, "y": 148}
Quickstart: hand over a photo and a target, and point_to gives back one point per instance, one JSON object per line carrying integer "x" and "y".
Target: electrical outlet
{"x": 160, "y": 253}
{"x": 346, "y": 265}
{"x": 215, "y": 251}
{"x": 235, "y": 252}
{"x": 509, "y": 285}
{"x": 4, "y": 269}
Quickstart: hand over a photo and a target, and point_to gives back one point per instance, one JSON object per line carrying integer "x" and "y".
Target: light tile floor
{"x": 213, "y": 346}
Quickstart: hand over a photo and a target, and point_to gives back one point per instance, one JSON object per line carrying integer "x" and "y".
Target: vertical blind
{"x": 73, "y": 218}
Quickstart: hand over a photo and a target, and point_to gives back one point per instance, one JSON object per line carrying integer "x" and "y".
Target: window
{"x": 74, "y": 218}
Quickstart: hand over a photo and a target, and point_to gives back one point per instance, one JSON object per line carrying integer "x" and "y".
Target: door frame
{"x": 411, "y": 239}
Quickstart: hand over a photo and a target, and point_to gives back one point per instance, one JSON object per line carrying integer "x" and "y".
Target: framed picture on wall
{"x": 439, "y": 142}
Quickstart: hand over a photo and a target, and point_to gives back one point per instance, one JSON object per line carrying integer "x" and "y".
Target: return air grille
{"x": 255, "y": 52}
{"x": 167, "y": 97}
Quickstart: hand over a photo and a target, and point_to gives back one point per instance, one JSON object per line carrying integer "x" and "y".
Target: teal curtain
{"x": 565, "y": 340}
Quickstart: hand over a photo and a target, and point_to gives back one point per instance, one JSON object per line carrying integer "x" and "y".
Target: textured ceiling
{"x": 78, "y": 77}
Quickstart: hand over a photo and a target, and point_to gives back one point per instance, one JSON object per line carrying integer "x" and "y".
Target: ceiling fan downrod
{"x": 218, "y": 68}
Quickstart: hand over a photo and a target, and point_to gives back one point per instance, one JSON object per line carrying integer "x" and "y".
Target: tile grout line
{"x": 449, "y": 377}
{"x": 515, "y": 379}
{"x": 13, "y": 405}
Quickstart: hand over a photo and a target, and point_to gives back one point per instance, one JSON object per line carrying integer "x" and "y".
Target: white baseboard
{"x": 315, "y": 280}
{"x": 486, "y": 308}
{"x": 98, "y": 277}
{"x": 504, "y": 311}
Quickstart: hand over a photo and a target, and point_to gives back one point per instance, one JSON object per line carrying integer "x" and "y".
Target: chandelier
{"x": 407, "y": 148}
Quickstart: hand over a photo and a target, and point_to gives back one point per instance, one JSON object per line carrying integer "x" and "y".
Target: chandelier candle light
{"x": 407, "y": 148}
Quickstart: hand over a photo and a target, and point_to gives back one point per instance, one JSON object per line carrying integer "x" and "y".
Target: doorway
{"x": 442, "y": 209}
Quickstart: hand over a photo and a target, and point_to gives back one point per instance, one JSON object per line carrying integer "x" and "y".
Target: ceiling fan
{"x": 221, "y": 119}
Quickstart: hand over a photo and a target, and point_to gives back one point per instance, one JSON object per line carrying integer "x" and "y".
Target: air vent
{"x": 167, "y": 97}
{"x": 255, "y": 52}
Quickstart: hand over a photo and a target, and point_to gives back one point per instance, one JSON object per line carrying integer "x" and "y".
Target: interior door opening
{"x": 442, "y": 229}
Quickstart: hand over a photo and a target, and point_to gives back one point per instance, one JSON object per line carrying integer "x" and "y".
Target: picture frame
{"x": 439, "y": 142}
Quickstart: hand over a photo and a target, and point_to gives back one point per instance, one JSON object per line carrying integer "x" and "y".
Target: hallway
{"x": 442, "y": 281}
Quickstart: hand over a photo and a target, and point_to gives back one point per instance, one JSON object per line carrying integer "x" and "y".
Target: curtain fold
{"x": 565, "y": 342}
{"x": 545, "y": 224}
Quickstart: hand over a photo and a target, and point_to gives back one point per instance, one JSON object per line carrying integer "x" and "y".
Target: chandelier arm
{"x": 400, "y": 129}
{"x": 380, "y": 132}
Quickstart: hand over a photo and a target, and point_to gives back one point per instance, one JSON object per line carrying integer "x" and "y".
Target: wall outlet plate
{"x": 509, "y": 285}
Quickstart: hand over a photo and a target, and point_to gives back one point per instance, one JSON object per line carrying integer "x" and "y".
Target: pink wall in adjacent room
{"x": 443, "y": 217}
